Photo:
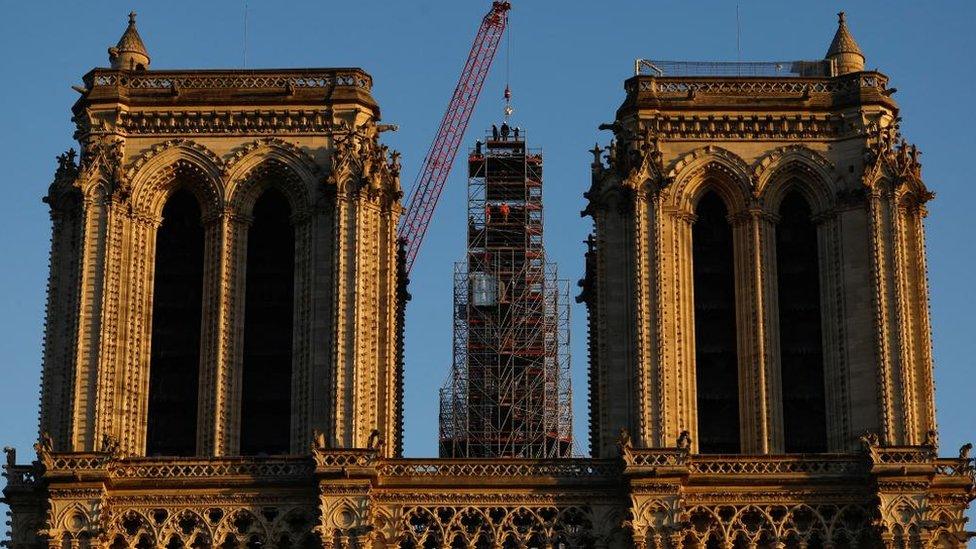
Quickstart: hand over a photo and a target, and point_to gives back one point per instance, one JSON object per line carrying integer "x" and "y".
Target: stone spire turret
{"x": 844, "y": 51}
{"x": 130, "y": 53}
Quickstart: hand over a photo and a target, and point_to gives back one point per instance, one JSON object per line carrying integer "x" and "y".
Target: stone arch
{"x": 98, "y": 192}
{"x": 241, "y": 525}
{"x": 76, "y": 519}
{"x": 849, "y": 521}
{"x": 794, "y": 167}
{"x": 186, "y": 525}
{"x": 131, "y": 526}
{"x": 271, "y": 173}
{"x": 803, "y": 520}
{"x": 259, "y": 164}
{"x": 709, "y": 168}
{"x": 911, "y": 191}
{"x": 156, "y": 174}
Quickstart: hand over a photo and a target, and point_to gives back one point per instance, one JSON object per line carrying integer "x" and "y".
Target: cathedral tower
{"x": 758, "y": 267}
{"x": 756, "y": 287}
{"x": 223, "y": 265}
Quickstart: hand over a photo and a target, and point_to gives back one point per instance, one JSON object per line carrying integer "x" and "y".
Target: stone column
{"x": 322, "y": 282}
{"x": 647, "y": 394}
{"x": 677, "y": 320}
{"x": 104, "y": 408}
{"x": 225, "y": 257}
{"x": 834, "y": 332}
{"x": 342, "y": 375}
{"x": 915, "y": 223}
{"x": 767, "y": 296}
{"x": 883, "y": 293}
{"x": 133, "y": 382}
{"x": 388, "y": 292}
{"x": 93, "y": 260}
{"x": 913, "y": 318}
{"x": 303, "y": 389}
{"x": 61, "y": 313}
{"x": 614, "y": 383}
{"x": 749, "y": 230}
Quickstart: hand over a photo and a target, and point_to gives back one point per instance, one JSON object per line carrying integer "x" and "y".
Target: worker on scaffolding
{"x": 505, "y": 131}
{"x": 487, "y": 214}
{"x": 505, "y": 210}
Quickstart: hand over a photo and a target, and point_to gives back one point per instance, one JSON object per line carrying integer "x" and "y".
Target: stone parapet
{"x": 655, "y": 497}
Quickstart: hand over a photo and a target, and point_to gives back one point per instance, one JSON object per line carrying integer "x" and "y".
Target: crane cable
{"x": 508, "y": 73}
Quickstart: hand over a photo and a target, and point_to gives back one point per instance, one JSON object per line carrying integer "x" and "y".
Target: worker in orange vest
{"x": 505, "y": 210}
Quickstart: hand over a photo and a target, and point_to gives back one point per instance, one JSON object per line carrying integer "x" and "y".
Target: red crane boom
{"x": 437, "y": 165}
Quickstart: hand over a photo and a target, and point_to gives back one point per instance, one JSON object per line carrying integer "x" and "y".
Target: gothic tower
{"x": 223, "y": 265}
{"x": 758, "y": 267}
{"x": 756, "y": 276}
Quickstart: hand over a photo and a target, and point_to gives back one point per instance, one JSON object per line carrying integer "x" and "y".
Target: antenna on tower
{"x": 244, "y": 45}
{"x": 738, "y": 34}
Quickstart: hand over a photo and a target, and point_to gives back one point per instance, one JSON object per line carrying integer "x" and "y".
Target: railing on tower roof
{"x": 209, "y": 79}
{"x": 810, "y": 69}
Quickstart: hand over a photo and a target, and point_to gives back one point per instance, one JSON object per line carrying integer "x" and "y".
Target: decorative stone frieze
{"x": 654, "y": 498}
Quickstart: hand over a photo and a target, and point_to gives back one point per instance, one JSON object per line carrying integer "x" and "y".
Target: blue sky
{"x": 568, "y": 62}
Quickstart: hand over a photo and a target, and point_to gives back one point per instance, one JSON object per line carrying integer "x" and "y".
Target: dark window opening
{"x": 174, "y": 364}
{"x": 801, "y": 347}
{"x": 716, "y": 363}
{"x": 266, "y": 383}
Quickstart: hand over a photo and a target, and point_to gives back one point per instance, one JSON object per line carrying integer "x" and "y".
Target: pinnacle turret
{"x": 844, "y": 51}
{"x": 130, "y": 53}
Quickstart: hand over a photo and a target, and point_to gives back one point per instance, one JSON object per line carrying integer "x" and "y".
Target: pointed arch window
{"x": 174, "y": 364}
{"x": 268, "y": 317}
{"x": 716, "y": 360}
{"x": 801, "y": 344}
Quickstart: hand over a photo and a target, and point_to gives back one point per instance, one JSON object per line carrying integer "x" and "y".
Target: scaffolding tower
{"x": 508, "y": 393}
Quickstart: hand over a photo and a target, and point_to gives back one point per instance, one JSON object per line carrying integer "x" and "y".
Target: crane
{"x": 433, "y": 174}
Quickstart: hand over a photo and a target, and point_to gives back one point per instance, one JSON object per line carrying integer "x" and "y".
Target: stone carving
{"x": 472, "y": 526}
{"x": 173, "y": 144}
{"x": 44, "y": 447}
{"x": 887, "y": 155}
{"x": 965, "y": 450}
{"x": 360, "y": 159}
{"x": 67, "y": 167}
{"x": 112, "y": 446}
{"x": 274, "y": 145}
{"x": 624, "y": 444}
{"x": 684, "y": 441}
{"x": 201, "y": 524}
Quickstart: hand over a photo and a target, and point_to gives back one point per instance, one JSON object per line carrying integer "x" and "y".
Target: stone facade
{"x": 836, "y": 142}
{"x": 312, "y": 135}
